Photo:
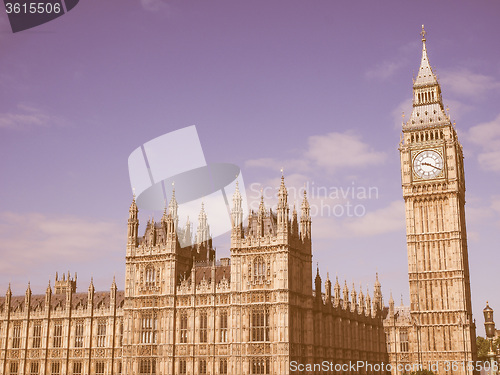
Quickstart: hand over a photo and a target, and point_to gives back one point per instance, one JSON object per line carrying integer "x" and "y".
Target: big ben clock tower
{"x": 433, "y": 184}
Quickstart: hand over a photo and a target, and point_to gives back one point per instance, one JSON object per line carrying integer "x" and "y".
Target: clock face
{"x": 428, "y": 164}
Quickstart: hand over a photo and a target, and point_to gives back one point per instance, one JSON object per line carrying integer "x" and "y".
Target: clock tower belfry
{"x": 433, "y": 185}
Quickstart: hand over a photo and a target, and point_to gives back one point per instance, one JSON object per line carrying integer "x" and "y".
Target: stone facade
{"x": 62, "y": 332}
{"x": 184, "y": 312}
{"x": 438, "y": 324}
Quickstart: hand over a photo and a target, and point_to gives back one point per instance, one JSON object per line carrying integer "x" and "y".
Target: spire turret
{"x": 237, "y": 211}
{"x": 377, "y": 294}
{"x": 428, "y": 106}
{"x": 172, "y": 209}
{"x": 90, "y": 294}
{"x": 282, "y": 209}
{"x": 336, "y": 289}
{"x": 187, "y": 239}
{"x": 203, "y": 231}
{"x": 133, "y": 224}
{"x": 368, "y": 303}
{"x": 425, "y": 74}
{"x": 391, "y": 306}
{"x": 361, "y": 299}
{"x": 317, "y": 283}
{"x": 354, "y": 298}
{"x": 260, "y": 216}
{"x": 328, "y": 288}
{"x": 27, "y": 298}
{"x": 295, "y": 222}
{"x": 345, "y": 296}
{"x": 305, "y": 219}
{"x": 48, "y": 296}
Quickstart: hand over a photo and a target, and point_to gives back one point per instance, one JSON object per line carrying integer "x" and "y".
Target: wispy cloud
{"x": 26, "y": 117}
{"x": 332, "y": 151}
{"x": 153, "y": 5}
{"x": 342, "y": 150}
{"x": 384, "y": 70}
{"x": 487, "y": 135}
{"x": 33, "y": 239}
{"x": 390, "y": 67}
{"x": 388, "y": 219}
{"x": 467, "y": 83}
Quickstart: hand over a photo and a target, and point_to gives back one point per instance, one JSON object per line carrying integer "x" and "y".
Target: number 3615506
{"x": 33, "y": 8}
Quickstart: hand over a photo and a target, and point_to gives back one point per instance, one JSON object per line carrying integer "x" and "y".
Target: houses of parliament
{"x": 265, "y": 310}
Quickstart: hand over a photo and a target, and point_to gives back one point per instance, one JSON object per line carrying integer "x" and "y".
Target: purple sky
{"x": 315, "y": 87}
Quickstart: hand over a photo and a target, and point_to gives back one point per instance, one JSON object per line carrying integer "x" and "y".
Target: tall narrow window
{"x": 14, "y": 368}
{"x": 16, "y": 336}
{"x": 183, "y": 328}
{"x": 259, "y": 325}
{"x": 99, "y": 368}
{"x": 148, "y": 329}
{"x": 55, "y": 368}
{"x": 57, "y": 343}
{"x": 34, "y": 368}
{"x": 403, "y": 340}
{"x": 77, "y": 368}
{"x": 259, "y": 268}
{"x": 120, "y": 335}
{"x": 223, "y": 326}
{"x": 101, "y": 334}
{"x": 150, "y": 277}
{"x": 182, "y": 367}
{"x": 260, "y": 366}
{"x": 147, "y": 366}
{"x": 79, "y": 335}
{"x": 203, "y": 327}
{"x": 37, "y": 335}
{"x": 223, "y": 367}
{"x": 202, "y": 367}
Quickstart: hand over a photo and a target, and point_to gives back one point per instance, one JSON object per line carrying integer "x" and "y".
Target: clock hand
{"x": 430, "y": 165}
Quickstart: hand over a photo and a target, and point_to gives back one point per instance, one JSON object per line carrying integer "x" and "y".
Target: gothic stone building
{"x": 183, "y": 312}
{"x": 438, "y": 324}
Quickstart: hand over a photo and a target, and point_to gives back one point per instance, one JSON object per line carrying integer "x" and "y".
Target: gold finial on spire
{"x": 281, "y": 171}
{"x": 133, "y": 193}
{"x": 423, "y": 33}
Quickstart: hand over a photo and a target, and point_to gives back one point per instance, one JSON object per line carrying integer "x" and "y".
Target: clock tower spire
{"x": 433, "y": 185}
